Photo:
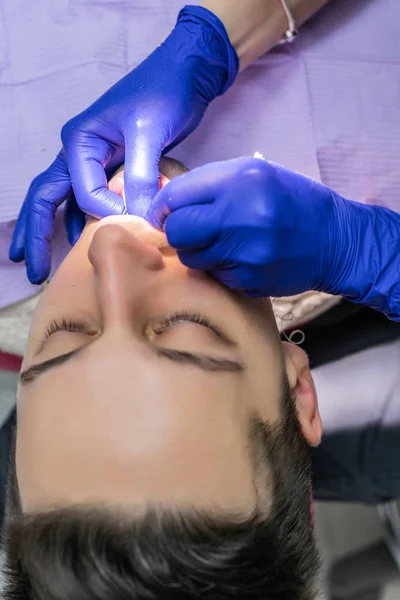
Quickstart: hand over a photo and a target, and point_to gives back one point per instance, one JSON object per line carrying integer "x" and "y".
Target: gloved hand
{"x": 145, "y": 114}
{"x": 267, "y": 231}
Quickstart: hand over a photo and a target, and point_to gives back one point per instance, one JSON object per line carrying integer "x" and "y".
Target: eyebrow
{"x": 209, "y": 364}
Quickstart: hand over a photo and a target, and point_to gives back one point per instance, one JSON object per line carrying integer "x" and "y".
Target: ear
{"x": 302, "y": 385}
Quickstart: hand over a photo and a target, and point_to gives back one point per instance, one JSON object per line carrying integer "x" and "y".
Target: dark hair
{"x": 99, "y": 554}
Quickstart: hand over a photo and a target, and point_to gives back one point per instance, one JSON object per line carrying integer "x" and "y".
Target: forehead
{"x": 147, "y": 433}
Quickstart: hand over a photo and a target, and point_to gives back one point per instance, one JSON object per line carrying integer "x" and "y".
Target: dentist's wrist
{"x": 365, "y": 256}
{"x": 208, "y": 47}
{"x": 256, "y": 26}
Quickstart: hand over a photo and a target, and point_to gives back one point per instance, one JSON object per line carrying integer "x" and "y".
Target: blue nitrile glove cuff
{"x": 365, "y": 267}
{"x": 223, "y": 52}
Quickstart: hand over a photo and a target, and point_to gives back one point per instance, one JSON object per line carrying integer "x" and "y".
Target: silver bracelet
{"x": 292, "y": 32}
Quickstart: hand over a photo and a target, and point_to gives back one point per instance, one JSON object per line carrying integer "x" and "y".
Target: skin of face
{"x": 121, "y": 423}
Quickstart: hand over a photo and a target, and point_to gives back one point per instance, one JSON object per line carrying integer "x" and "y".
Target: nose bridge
{"x": 124, "y": 269}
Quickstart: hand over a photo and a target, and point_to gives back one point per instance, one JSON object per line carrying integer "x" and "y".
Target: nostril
{"x": 114, "y": 244}
{"x": 109, "y": 234}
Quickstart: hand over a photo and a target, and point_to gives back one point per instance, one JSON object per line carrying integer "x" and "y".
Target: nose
{"x": 124, "y": 268}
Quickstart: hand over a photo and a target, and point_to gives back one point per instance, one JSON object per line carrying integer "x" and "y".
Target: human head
{"x": 183, "y": 421}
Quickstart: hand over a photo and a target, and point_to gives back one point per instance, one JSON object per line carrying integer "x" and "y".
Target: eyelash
{"x": 183, "y": 315}
{"x": 65, "y": 325}
{"x": 170, "y": 321}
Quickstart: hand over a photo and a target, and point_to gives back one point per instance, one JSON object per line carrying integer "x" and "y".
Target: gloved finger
{"x": 16, "y": 252}
{"x": 74, "y": 220}
{"x": 45, "y": 195}
{"x": 236, "y": 277}
{"x": 200, "y": 186}
{"x": 141, "y": 175}
{"x": 56, "y": 174}
{"x": 192, "y": 227}
{"x": 87, "y": 158}
{"x": 199, "y": 260}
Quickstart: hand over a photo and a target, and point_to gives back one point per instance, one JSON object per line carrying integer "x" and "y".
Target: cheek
{"x": 68, "y": 289}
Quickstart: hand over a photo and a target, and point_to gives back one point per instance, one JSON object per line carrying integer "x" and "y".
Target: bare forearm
{"x": 256, "y": 26}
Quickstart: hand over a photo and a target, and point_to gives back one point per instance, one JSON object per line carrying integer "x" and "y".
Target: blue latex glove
{"x": 267, "y": 231}
{"x": 145, "y": 114}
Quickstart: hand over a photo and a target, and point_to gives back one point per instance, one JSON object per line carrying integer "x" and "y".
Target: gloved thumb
{"x": 141, "y": 176}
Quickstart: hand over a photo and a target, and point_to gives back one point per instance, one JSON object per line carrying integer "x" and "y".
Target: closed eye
{"x": 184, "y": 317}
{"x": 201, "y": 360}
{"x": 176, "y": 318}
{"x": 173, "y": 319}
{"x": 68, "y": 325}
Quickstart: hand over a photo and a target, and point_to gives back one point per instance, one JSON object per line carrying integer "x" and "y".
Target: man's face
{"x": 163, "y": 370}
